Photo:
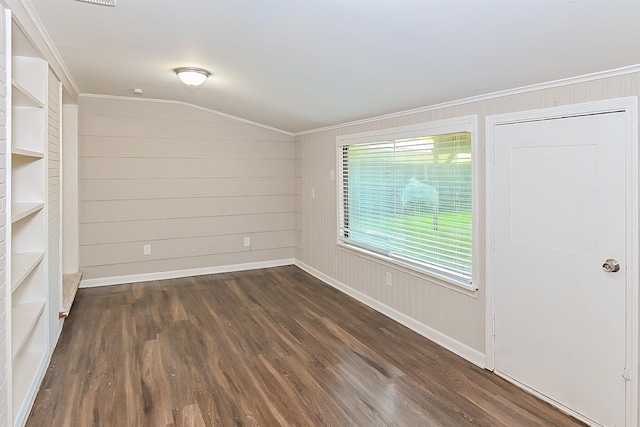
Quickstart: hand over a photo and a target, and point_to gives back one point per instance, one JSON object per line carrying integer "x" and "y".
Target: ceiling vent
{"x": 111, "y": 3}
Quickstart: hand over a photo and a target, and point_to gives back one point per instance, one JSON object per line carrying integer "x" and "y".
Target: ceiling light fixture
{"x": 111, "y": 3}
{"x": 192, "y": 76}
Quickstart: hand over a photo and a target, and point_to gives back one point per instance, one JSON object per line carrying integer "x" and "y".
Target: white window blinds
{"x": 409, "y": 199}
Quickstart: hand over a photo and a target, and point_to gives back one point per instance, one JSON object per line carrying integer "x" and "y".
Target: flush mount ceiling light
{"x": 111, "y": 3}
{"x": 192, "y": 76}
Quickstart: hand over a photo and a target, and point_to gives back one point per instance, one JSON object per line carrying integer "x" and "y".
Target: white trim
{"x": 436, "y": 127}
{"x": 467, "y": 123}
{"x": 489, "y": 274}
{"x": 198, "y": 107}
{"x": 633, "y": 254}
{"x": 492, "y": 95}
{"x": 472, "y": 355}
{"x": 54, "y": 340}
{"x": 146, "y": 277}
{"x": 6, "y": 249}
{"x": 630, "y": 106}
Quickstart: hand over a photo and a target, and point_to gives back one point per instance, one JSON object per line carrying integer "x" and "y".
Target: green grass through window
{"x": 447, "y": 245}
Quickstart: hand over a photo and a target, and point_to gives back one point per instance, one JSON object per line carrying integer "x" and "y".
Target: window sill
{"x": 428, "y": 276}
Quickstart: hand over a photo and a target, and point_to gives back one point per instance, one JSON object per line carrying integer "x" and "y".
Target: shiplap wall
{"x": 69, "y": 189}
{"x": 4, "y": 108}
{"x": 189, "y": 182}
{"x": 54, "y": 256}
{"x": 444, "y": 311}
{"x": 298, "y": 201}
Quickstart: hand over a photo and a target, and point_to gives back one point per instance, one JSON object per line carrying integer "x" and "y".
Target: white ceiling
{"x": 303, "y": 64}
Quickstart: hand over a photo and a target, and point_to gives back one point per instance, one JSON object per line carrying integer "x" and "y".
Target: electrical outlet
{"x": 388, "y": 279}
{"x": 313, "y": 193}
{"x": 146, "y": 249}
{"x": 247, "y": 241}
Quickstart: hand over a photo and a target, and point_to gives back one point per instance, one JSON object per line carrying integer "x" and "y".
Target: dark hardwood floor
{"x": 272, "y": 347}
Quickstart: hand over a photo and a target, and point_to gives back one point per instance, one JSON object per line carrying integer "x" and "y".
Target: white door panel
{"x": 560, "y": 212}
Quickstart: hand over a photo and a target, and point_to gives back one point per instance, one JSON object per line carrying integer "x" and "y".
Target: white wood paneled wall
{"x": 55, "y": 267}
{"x": 189, "y": 182}
{"x": 453, "y": 314}
{"x": 69, "y": 183}
{"x": 299, "y": 191}
{"x": 5, "y": 85}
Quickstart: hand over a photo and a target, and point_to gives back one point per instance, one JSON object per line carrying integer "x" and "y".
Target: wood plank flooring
{"x": 272, "y": 347}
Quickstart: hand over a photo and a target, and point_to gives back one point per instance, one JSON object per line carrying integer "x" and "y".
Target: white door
{"x": 560, "y": 213}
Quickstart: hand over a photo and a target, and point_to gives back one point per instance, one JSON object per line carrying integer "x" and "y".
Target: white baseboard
{"x": 146, "y": 277}
{"x": 462, "y": 350}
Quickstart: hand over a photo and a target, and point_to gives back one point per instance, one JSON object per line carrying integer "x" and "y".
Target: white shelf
{"x": 28, "y": 308}
{"x": 22, "y": 265}
{"x": 23, "y": 318}
{"x": 27, "y": 153}
{"x": 23, "y": 210}
{"x": 21, "y": 97}
{"x": 25, "y": 369}
{"x": 29, "y": 128}
{"x": 29, "y": 80}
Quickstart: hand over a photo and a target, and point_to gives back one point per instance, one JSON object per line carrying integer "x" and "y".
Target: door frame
{"x": 629, "y": 106}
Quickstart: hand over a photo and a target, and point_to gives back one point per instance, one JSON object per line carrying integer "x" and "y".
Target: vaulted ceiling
{"x": 303, "y": 64}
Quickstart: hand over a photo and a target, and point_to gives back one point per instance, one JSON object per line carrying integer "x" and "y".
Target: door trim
{"x": 629, "y": 106}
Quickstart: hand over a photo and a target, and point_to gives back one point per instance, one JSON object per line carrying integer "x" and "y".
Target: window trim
{"x": 459, "y": 124}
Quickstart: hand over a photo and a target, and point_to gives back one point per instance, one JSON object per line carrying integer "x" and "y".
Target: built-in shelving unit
{"x": 27, "y": 230}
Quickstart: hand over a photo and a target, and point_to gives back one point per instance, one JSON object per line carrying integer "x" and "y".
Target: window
{"x": 406, "y": 195}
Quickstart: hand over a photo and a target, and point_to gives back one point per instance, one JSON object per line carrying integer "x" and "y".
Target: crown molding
{"x": 523, "y": 89}
{"x": 170, "y": 101}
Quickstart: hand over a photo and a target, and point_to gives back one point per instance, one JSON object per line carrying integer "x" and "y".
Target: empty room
{"x": 319, "y": 213}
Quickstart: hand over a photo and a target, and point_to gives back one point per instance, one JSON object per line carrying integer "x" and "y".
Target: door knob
{"x": 611, "y": 266}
